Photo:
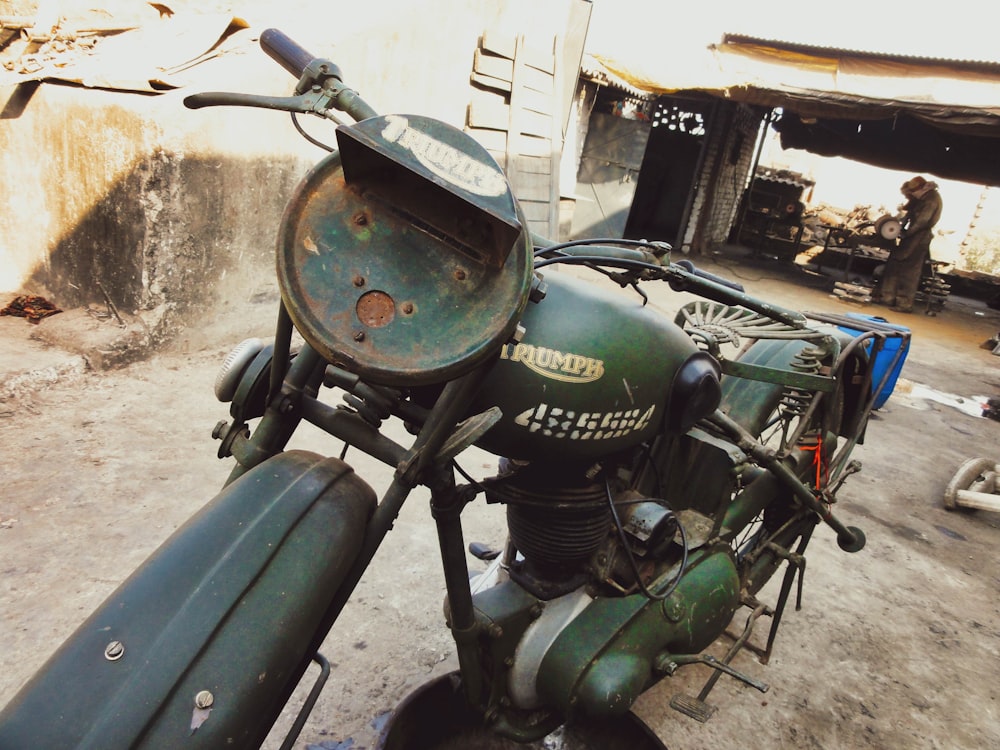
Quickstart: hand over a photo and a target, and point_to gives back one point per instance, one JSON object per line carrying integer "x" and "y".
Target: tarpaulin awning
{"x": 894, "y": 110}
{"x": 141, "y": 47}
{"x": 904, "y": 142}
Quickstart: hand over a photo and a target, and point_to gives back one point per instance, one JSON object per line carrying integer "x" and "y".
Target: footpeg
{"x": 483, "y": 552}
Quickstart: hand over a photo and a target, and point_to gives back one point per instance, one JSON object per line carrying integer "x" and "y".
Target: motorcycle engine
{"x": 596, "y": 378}
{"x": 602, "y": 589}
{"x": 567, "y": 535}
{"x": 596, "y": 375}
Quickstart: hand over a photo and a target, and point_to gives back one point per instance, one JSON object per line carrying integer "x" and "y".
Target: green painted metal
{"x": 503, "y": 613}
{"x": 701, "y": 471}
{"x": 761, "y": 492}
{"x": 608, "y": 655}
{"x": 406, "y": 286}
{"x": 751, "y": 402}
{"x": 437, "y": 175}
{"x": 229, "y": 605}
{"x": 603, "y": 661}
{"x": 740, "y": 369}
{"x": 592, "y": 375}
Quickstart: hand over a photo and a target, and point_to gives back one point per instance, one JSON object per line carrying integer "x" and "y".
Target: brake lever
{"x": 629, "y": 279}
{"x": 314, "y": 101}
{"x": 319, "y": 84}
{"x": 319, "y": 90}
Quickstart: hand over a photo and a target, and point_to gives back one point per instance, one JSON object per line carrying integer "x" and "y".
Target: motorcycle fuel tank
{"x": 595, "y": 373}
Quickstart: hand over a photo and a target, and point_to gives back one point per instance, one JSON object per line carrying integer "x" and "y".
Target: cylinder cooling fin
{"x": 563, "y": 534}
{"x": 556, "y": 519}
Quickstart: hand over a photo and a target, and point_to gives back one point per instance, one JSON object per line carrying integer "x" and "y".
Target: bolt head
{"x": 204, "y": 699}
{"x": 114, "y": 651}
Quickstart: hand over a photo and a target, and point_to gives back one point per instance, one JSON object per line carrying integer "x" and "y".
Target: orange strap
{"x": 819, "y": 461}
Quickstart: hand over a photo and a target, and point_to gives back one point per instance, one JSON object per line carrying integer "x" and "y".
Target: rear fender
{"x": 229, "y": 605}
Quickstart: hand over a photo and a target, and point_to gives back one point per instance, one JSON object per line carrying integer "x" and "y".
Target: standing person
{"x": 901, "y": 277}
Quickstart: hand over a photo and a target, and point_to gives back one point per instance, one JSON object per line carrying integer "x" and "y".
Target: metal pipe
{"x": 849, "y": 538}
{"x": 446, "y": 506}
{"x": 353, "y": 430}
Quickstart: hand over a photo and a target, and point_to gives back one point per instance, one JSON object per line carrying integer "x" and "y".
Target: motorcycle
{"x": 655, "y": 472}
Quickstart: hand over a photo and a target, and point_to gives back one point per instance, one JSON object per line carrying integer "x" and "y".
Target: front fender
{"x": 228, "y": 604}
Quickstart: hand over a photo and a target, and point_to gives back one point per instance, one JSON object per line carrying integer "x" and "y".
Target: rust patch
{"x": 376, "y": 309}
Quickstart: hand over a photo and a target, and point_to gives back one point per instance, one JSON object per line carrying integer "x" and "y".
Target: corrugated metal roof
{"x": 956, "y": 30}
{"x": 825, "y": 50}
{"x": 593, "y": 70}
{"x": 626, "y": 35}
{"x": 784, "y": 176}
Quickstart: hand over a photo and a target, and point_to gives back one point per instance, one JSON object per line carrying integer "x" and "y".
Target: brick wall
{"x": 728, "y": 159}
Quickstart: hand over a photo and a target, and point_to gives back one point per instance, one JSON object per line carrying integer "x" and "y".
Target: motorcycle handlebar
{"x": 312, "y": 71}
{"x": 692, "y": 269}
{"x": 285, "y": 51}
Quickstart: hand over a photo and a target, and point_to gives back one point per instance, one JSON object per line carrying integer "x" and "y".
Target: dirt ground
{"x": 897, "y": 646}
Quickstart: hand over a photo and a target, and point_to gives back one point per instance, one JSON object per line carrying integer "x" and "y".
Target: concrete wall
{"x": 135, "y": 196}
{"x": 160, "y": 205}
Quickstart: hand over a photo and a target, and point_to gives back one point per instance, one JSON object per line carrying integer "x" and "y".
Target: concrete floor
{"x": 897, "y": 646}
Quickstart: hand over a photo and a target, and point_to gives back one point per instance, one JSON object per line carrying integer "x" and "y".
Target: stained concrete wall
{"x": 160, "y": 205}
{"x": 130, "y": 195}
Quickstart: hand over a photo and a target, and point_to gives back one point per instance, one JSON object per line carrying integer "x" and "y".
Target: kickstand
{"x": 796, "y": 565}
{"x": 697, "y": 707}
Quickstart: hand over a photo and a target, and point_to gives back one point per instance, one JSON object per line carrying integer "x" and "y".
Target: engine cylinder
{"x": 562, "y": 534}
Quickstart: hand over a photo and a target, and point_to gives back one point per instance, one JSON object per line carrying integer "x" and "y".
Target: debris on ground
{"x": 850, "y": 292}
{"x": 974, "y": 486}
{"x": 992, "y": 344}
{"x": 974, "y": 406}
{"x": 30, "y": 306}
{"x": 991, "y": 410}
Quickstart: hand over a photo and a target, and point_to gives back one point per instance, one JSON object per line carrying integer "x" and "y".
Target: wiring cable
{"x": 631, "y": 559}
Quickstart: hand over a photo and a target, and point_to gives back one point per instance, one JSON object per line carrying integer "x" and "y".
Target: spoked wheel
{"x": 780, "y": 419}
{"x": 779, "y": 527}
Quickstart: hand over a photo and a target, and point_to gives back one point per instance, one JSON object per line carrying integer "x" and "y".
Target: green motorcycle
{"x": 656, "y": 472}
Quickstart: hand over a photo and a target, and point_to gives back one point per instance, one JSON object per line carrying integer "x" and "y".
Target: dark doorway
{"x": 666, "y": 180}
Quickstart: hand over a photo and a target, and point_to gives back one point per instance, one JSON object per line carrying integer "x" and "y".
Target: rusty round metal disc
{"x": 384, "y": 294}
{"x": 888, "y": 227}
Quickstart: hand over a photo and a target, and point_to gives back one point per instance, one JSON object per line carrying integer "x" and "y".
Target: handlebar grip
{"x": 690, "y": 268}
{"x": 285, "y": 51}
